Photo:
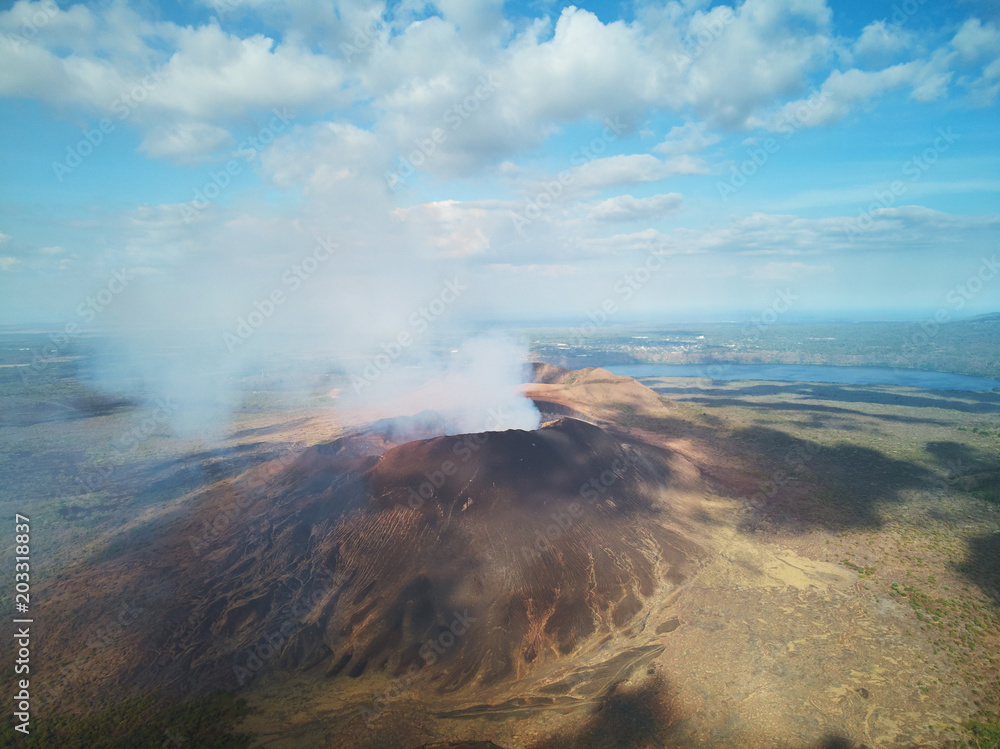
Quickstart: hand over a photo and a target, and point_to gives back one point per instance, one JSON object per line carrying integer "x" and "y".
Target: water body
{"x": 811, "y": 373}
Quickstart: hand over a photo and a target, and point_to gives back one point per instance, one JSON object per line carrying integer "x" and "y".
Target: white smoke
{"x": 236, "y": 302}
{"x": 477, "y": 387}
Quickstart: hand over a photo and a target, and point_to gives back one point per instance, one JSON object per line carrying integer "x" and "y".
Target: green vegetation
{"x": 866, "y": 571}
{"x": 985, "y": 735}
{"x": 989, "y": 489}
{"x": 963, "y": 347}
{"x": 203, "y": 722}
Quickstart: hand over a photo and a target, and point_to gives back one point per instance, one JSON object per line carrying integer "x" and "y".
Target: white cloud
{"x": 843, "y": 92}
{"x": 765, "y": 52}
{"x": 476, "y": 20}
{"x": 729, "y": 65}
{"x": 328, "y": 156}
{"x": 631, "y": 169}
{"x": 331, "y": 25}
{"x": 186, "y": 142}
{"x": 903, "y": 230}
{"x": 984, "y": 89}
{"x": 9, "y": 264}
{"x": 975, "y": 41}
{"x": 214, "y": 74}
{"x": 586, "y": 69}
{"x": 691, "y": 137}
{"x": 628, "y": 208}
{"x": 453, "y": 229}
{"x": 647, "y": 240}
{"x": 880, "y": 42}
{"x": 186, "y": 86}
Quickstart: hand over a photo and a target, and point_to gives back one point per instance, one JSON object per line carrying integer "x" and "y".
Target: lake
{"x": 811, "y": 373}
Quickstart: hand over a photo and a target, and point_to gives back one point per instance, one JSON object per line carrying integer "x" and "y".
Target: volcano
{"x": 486, "y": 556}
{"x": 600, "y": 581}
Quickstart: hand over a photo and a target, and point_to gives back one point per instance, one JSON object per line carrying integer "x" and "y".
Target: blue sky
{"x": 846, "y": 152}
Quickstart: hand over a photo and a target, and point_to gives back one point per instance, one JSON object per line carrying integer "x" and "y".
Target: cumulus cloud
{"x": 691, "y": 137}
{"x": 187, "y": 142}
{"x": 975, "y": 41}
{"x": 214, "y": 74}
{"x": 631, "y": 169}
{"x": 453, "y": 229}
{"x": 187, "y": 86}
{"x": 628, "y": 208}
{"x": 899, "y": 230}
{"x": 844, "y": 92}
{"x": 880, "y": 41}
{"x": 325, "y": 157}
{"x": 517, "y": 81}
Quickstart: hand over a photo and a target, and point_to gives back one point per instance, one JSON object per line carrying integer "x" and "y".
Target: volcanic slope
{"x": 476, "y": 561}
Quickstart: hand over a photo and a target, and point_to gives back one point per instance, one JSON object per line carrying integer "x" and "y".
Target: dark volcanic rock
{"x": 487, "y": 555}
{"x": 462, "y": 745}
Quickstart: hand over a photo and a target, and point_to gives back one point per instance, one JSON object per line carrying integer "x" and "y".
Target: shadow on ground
{"x": 806, "y": 484}
{"x": 28, "y": 411}
{"x": 982, "y": 564}
{"x": 803, "y": 484}
{"x": 797, "y": 395}
{"x": 645, "y": 717}
{"x": 622, "y": 719}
